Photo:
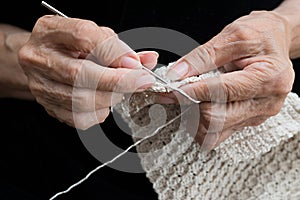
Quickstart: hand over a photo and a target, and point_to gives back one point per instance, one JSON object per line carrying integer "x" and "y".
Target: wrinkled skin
{"x": 77, "y": 69}
{"x": 13, "y": 81}
{"x": 254, "y": 51}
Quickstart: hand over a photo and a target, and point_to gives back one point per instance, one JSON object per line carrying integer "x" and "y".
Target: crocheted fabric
{"x": 261, "y": 162}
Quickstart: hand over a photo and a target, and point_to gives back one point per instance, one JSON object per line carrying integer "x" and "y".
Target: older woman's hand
{"x": 254, "y": 51}
{"x": 66, "y": 62}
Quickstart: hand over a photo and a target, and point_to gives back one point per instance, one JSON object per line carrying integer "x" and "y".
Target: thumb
{"x": 115, "y": 53}
{"x": 148, "y": 58}
{"x": 220, "y": 50}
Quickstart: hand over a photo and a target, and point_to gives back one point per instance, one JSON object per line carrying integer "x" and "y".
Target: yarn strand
{"x": 118, "y": 156}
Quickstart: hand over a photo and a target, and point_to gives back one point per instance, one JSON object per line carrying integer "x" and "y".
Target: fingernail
{"x": 129, "y": 62}
{"x": 178, "y": 71}
{"x": 145, "y": 82}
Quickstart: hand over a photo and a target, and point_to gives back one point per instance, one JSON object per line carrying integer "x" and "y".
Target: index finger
{"x": 84, "y": 36}
{"x": 249, "y": 83}
{"x": 98, "y": 77}
{"x": 222, "y": 49}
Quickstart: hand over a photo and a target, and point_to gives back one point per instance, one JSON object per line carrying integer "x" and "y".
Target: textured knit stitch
{"x": 261, "y": 162}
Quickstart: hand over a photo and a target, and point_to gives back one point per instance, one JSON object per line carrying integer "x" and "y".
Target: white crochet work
{"x": 260, "y": 162}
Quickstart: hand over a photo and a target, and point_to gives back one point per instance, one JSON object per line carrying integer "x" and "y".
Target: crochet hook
{"x": 168, "y": 85}
{"x": 143, "y": 67}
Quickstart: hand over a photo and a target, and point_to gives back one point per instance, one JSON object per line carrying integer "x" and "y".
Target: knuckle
{"x": 103, "y": 115}
{"x": 82, "y": 126}
{"x": 72, "y": 72}
{"x": 275, "y": 108}
{"x": 83, "y": 101}
{"x": 106, "y": 32}
{"x": 30, "y": 57}
{"x": 272, "y": 105}
{"x": 82, "y": 123}
{"x": 206, "y": 54}
{"x": 40, "y": 23}
{"x": 284, "y": 83}
{"x": 239, "y": 31}
{"x": 25, "y": 56}
{"x": 83, "y": 27}
{"x": 283, "y": 88}
{"x": 78, "y": 121}
{"x": 230, "y": 91}
{"x": 85, "y": 33}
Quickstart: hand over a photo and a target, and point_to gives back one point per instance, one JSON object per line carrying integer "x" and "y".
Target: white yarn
{"x": 261, "y": 162}
{"x": 116, "y": 157}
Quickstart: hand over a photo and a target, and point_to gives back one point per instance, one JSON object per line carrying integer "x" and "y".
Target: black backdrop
{"x": 40, "y": 156}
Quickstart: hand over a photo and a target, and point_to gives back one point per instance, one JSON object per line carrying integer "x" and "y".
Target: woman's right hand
{"x": 77, "y": 69}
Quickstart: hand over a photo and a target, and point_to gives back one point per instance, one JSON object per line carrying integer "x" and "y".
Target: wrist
{"x": 290, "y": 12}
{"x": 13, "y": 81}
{"x": 14, "y": 41}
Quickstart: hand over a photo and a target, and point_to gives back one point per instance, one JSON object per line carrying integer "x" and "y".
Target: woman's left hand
{"x": 254, "y": 51}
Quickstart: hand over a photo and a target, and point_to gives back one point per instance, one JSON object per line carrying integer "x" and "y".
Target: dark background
{"x": 40, "y": 156}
